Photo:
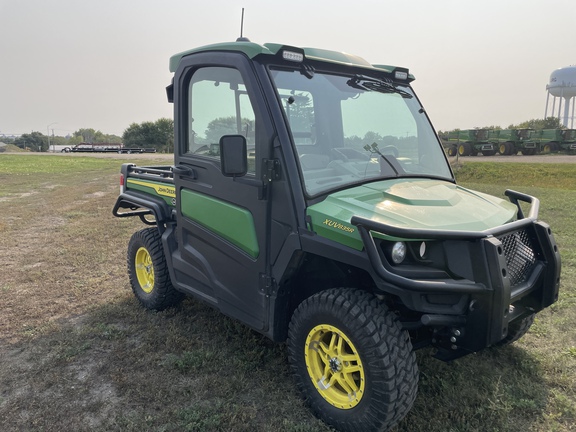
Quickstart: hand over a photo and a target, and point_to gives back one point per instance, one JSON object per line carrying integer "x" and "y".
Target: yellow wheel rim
{"x": 502, "y": 148}
{"x": 334, "y": 366}
{"x": 461, "y": 150}
{"x": 547, "y": 148}
{"x": 144, "y": 270}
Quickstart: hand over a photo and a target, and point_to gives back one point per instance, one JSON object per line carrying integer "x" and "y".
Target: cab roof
{"x": 251, "y": 50}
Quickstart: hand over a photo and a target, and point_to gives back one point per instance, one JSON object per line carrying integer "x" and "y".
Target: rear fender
{"x": 134, "y": 203}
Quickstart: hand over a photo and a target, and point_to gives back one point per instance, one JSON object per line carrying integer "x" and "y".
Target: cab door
{"x": 222, "y": 250}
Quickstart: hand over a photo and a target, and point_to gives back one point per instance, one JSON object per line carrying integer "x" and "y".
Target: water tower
{"x": 562, "y": 87}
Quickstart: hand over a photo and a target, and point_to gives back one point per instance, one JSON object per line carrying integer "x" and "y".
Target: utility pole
{"x": 48, "y": 133}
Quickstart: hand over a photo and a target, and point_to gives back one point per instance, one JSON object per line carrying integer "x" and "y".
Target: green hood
{"x": 408, "y": 203}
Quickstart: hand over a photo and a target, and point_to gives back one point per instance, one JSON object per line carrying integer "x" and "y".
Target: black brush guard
{"x": 516, "y": 264}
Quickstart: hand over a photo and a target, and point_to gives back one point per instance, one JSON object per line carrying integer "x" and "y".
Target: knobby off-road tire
{"x": 517, "y": 329}
{"x": 148, "y": 271}
{"x": 352, "y": 361}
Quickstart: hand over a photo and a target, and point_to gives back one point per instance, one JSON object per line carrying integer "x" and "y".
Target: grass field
{"x": 77, "y": 353}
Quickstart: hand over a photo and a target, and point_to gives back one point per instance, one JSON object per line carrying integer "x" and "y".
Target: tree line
{"x": 38, "y": 142}
{"x": 158, "y": 135}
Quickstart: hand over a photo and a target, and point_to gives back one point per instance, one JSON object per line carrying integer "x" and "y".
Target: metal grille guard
{"x": 385, "y": 271}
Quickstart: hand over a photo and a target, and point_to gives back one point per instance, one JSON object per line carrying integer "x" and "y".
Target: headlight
{"x": 398, "y": 252}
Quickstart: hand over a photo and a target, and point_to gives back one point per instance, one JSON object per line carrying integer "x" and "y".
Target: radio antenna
{"x": 242, "y": 38}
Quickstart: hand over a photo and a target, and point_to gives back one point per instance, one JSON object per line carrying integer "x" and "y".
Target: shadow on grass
{"x": 500, "y": 389}
{"x": 122, "y": 368}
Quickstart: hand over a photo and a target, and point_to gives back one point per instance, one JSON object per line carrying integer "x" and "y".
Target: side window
{"x": 219, "y": 105}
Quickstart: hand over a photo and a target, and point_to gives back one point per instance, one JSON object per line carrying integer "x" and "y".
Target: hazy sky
{"x": 103, "y": 64}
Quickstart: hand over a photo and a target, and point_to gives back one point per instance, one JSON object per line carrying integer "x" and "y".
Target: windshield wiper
{"x": 363, "y": 82}
{"x": 389, "y": 159}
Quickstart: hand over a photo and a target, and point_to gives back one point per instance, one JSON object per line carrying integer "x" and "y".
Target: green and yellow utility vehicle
{"x": 310, "y": 198}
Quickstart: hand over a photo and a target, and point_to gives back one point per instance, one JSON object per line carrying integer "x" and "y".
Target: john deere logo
{"x": 160, "y": 189}
{"x": 338, "y": 225}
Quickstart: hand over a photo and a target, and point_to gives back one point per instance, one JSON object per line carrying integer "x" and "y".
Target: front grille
{"x": 520, "y": 257}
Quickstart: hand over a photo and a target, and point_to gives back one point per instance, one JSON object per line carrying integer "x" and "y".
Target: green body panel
{"x": 494, "y": 135}
{"x": 549, "y": 135}
{"x": 230, "y": 222}
{"x": 335, "y": 57}
{"x": 252, "y": 50}
{"x": 469, "y": 135}
{"x": 408, "y": 203}
{"x": 248, "y": 48}
{"x": 162, "y": 190}
{"x": 514, "y": 135}
{"x": 507, "y": 135}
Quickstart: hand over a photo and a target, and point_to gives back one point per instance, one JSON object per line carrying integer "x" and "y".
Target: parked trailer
{"x": 105, "y": 148}
{"x": 468, "y": 142}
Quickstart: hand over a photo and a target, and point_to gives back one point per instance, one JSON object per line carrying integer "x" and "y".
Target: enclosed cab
{"x": 311, "y": 199}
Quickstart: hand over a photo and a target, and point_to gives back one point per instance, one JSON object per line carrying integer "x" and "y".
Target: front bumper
{"x": 504, "y": 274}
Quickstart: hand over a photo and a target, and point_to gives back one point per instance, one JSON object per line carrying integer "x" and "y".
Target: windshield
{"x": 352, "y": 129}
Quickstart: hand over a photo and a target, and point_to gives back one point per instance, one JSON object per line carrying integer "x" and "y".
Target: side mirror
{"x": 233, "y": 156}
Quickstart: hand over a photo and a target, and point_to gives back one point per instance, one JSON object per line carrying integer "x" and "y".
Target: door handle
{"x": 184, "y": 171}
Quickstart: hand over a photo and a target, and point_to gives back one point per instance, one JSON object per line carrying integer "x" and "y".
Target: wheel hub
{"x": 144, "y": 270}
{"x": 335, "y": 365}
